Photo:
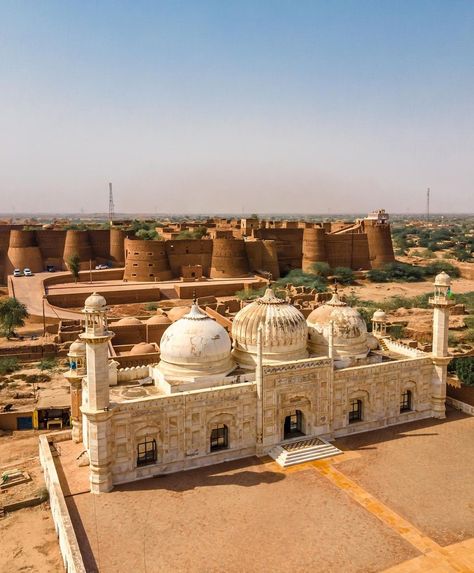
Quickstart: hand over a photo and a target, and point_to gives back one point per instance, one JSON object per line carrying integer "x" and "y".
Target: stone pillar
{"x": 100, "y": 476}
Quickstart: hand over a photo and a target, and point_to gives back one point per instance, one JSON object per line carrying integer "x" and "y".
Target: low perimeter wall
{"x": 68, "y": 544}
{"x": 466, "y": 408}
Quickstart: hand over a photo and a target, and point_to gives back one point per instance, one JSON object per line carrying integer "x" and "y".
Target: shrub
{"x": 151, "y": 306}
{"x": 250, "y": 294}
{"x": 8, "y": 365}
{"x": 48, "y": 364}
{"x": 344, "y": 275}
{"x": 298, "y": 278}
{"x": 464, "y": 368}
{"x": 321, "y": 269}
{"x": 397, "y": 330}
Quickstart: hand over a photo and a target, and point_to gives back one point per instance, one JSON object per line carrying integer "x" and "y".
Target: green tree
{"x": 12, "y": 315}
{"x": 74, "y": 265}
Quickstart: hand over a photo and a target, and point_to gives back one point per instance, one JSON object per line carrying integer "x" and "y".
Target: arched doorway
{"x": 293, "y": 426}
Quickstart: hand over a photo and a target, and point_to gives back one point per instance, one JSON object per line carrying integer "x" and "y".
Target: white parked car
{"x": 101, "y": 267}
{"x": 27, "y": 272}
{"x": 17, "y": 273}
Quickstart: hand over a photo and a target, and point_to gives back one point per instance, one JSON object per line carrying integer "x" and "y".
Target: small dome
{"x": 158, "y": 319}
{"x": 284, "y": 335}
{"x": 77, "y": 348}
{"x": 379, "y": 316}
{"x": 195, "y": 346}
{"x": 127, "y": 321}
{"x": 443, "y": 279}
{"x": 95, "y": 302}
{"x": 143, "y": 348}
{"x": 178, "y": 312}
{"x": 349, "y": 331}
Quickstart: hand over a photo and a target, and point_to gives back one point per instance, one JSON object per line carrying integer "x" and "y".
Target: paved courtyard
{"x": 392, "y": 500}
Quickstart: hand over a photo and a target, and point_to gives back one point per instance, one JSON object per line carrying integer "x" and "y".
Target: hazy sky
{"x": 221, "y": 106}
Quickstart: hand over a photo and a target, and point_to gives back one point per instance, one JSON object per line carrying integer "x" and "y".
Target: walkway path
{"x": 456, "y": 558}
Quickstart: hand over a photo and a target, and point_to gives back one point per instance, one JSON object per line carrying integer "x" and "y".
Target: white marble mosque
{"x": 280, "y": 385}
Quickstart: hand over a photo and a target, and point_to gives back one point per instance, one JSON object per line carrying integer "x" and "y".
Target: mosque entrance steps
{"x": 301, "y": 451}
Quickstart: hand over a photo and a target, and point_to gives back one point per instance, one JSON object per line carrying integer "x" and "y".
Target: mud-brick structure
{"x": 39, "y": 248}
{"x": 229, "y": 259}
{"x": 289, "y": 246}
{"x": 146, "y": 261}
{"x": 263, "y": 257}
{"x": 189, "y": 252}
{"x": 23, "y": 251}
{"x": 78, "y": 243}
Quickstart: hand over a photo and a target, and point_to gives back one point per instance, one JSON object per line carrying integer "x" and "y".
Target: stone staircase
{"x": 303, "y": 450}
{"x": 383, "y": 345}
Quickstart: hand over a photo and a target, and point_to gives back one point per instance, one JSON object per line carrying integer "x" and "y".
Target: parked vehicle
{"x": 27, "y": 272}
{"x": 50, "y": 268}
{"x": 101, "y": 267}
{"x": 17, "y": 273}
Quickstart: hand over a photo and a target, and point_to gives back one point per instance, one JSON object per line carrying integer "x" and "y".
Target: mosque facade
{"x": 279, "y": 379}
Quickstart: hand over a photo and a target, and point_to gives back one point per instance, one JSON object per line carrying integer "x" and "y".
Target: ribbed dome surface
{"x": 195, "y": 346}
{"x": 284, "y": 334}
{"x": 127, "y": 321}
{"x": 348, "y": 327}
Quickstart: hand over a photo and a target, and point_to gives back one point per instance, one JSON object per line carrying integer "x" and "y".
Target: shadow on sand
{"x": 410, "y": 430}
{"x": 239, "y": 472}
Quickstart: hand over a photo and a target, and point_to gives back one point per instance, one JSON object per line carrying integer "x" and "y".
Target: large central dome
{"x": 284, "y": 335}
{"x": 195, "y": 346}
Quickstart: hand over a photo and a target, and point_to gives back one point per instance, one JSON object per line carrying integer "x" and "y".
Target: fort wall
{"x": 117, "y": 247}
{"x": 99, "y": 240}
{"x": 289, "y": 246}
{"x": 314, "y": 248}
{"x": 51, "y": 244}
{"x": 146, "y": 261}
{"x": 23, "y": 251}
{"x": 229, "y": 259}
{"x": 77, "y": 243}
{"x": 348, "y": 250}
{"x": 380, "y": 243}
{"x": 184, "y": 252}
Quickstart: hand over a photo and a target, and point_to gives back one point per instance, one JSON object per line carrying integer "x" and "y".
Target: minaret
{"x": 96, "y": 408}
{"x": 441, "y": 304}
{"x": 75, "y": 374}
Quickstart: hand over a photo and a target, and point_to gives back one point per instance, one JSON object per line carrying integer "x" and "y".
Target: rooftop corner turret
{"x": 95, "y": 313}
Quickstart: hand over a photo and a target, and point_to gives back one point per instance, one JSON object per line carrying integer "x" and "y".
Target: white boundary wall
{"x": 466, "y": 408}
{"x": 68, "y": 544}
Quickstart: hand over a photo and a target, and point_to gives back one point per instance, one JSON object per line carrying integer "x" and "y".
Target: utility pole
{"x": 428, "y": 205}
{"x": 111, "y": 205}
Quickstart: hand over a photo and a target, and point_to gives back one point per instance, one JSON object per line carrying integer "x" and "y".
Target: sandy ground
{"x": 367, "y": 290}
{"x": 237, "y": 517}
{"x": 27, "y": 537}
{"x": 422, "y": 470}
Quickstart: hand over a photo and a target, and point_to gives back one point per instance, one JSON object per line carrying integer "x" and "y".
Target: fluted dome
{"x": 442, "y": 279}
{"x": 195, "y": 346}
{"x": 348, "y": 328}
{"x": 95, "y": 302}
{"x": 284, "y": 334}
{"x": 379, "y": 316}
{"x": 178, "y": 312}
{"x": 77, "y": 348}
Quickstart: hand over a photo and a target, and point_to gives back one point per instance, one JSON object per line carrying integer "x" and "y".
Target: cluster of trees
{"x": 13, "y": 314}
{"x": 411, "y": 273}
{"x": 463, "y": 367}
{"x": 457, "y": 239}
{"x": 198, "y": 233}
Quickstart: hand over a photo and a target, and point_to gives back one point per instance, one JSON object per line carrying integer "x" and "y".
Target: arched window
{"x": 146, "y": 452}
{"x": 219, "y": 437}
{"x": 355, "y": 411}
{"x": 406, "y": 401}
